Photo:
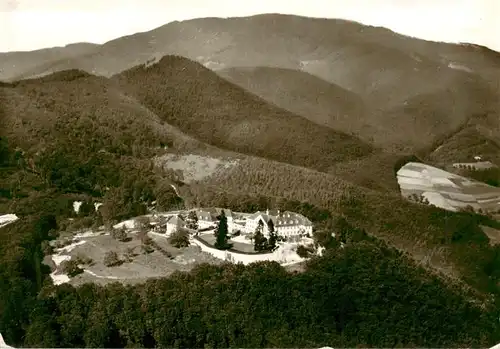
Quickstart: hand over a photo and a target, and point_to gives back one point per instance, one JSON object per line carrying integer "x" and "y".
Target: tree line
{"x": 362, "y": 295}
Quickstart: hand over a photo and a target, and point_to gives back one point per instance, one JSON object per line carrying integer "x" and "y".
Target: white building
{"x": 285, "y": 224}
{"x": 173, "y": 224}
{"x": 230, "y": 219}
{"x": 208, "y": 218}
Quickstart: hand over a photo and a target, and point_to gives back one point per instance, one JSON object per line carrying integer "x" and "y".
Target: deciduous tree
{"x": 192, "y": 220}
{"x": 71, "y": 268}
{"x": 179, "y": 238}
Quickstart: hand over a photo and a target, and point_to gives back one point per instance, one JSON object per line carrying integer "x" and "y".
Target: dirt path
{"x": 175, "y": 189}
{"x": 102, "y": 277}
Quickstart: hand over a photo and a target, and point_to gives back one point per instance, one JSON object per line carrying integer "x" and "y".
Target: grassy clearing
{"x": 142, "y": 267}
{"x": 238, "y": 246}
{"x": 195, "y": 167}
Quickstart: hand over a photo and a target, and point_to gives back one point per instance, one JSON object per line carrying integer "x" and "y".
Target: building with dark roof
{"x": 285, "y": 223}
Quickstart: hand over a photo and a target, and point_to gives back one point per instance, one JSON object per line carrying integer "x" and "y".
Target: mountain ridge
{"x": 74, "y": 136}
{"x": 234, "y": 118}
{"x": 386, "y": 34}
{"x": 413, "y": 90}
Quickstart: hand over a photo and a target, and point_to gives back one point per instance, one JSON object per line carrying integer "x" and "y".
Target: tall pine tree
{"x": 273, "y": 237}
{"x": 259, "y": 240}
{"x": 221, "y": 233}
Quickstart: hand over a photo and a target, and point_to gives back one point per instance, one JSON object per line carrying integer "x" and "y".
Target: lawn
{"x": 237, "y": 245}
{"x": 142, "y": 267}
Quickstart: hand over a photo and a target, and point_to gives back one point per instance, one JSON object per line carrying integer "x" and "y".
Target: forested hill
{"x": 200, "y": 103}
{"x": 74, "y": 136}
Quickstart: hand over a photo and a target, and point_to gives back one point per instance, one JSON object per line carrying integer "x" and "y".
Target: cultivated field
{"x": 447, "y": 190}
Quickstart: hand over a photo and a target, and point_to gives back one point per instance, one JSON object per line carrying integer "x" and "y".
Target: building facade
{"x": 208, "y": 218}
{"x": 173, "y": 224}
{"x": 285, "y": 224}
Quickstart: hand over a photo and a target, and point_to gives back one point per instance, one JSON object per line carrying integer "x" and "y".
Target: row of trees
{"x": 490, "y": 176}
{"x": 260, "y": 241}
{"x": 266, "y": 244}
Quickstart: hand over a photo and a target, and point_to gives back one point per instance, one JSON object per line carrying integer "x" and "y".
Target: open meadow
{"x": 162, "y": 261}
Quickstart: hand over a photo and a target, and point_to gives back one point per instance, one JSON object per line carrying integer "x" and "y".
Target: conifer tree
{"x": 260, "y": 241}
{"x": 221, "y": 232}
{"x": 273, "y": 237}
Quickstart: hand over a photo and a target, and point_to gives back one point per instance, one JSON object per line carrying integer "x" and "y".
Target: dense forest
{"x": 366, "y": 293}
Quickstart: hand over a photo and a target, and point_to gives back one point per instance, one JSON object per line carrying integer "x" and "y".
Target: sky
{"x": 34, "y": 24}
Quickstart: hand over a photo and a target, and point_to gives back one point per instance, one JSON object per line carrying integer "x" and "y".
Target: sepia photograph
{"x": 267, "y": 174}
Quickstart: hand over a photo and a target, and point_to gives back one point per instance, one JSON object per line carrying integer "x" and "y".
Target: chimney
{"x": 267, "y": 212}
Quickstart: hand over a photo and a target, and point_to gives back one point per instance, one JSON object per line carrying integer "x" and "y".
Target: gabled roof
{"x": 175, "y": 220}
{"x": 207, "y": 214}
{"x": 213, "y": 213}
{"x": 272, "y": 213}
{"x": 292, "y": 219}
{"x": 227, "y": 212}
{"x": 266, "y": 218}
{"x": 285, "y": 219}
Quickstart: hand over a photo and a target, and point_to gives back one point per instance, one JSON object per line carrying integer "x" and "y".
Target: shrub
{"x": 179, "y": 238}
{"x": 111, "y": 259}
{"x": 129, "y": 254}
{"x": 304, "y": 252}
{"x": 146, "y": 240}
{"x": 71, "y": 268}
{"x": 236, "y": 233}
{"x": 143, "y": 223}
{"x": 147, "y": 249}
{"x": 84, "y": 260}
{"x": 119, "y": 234}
